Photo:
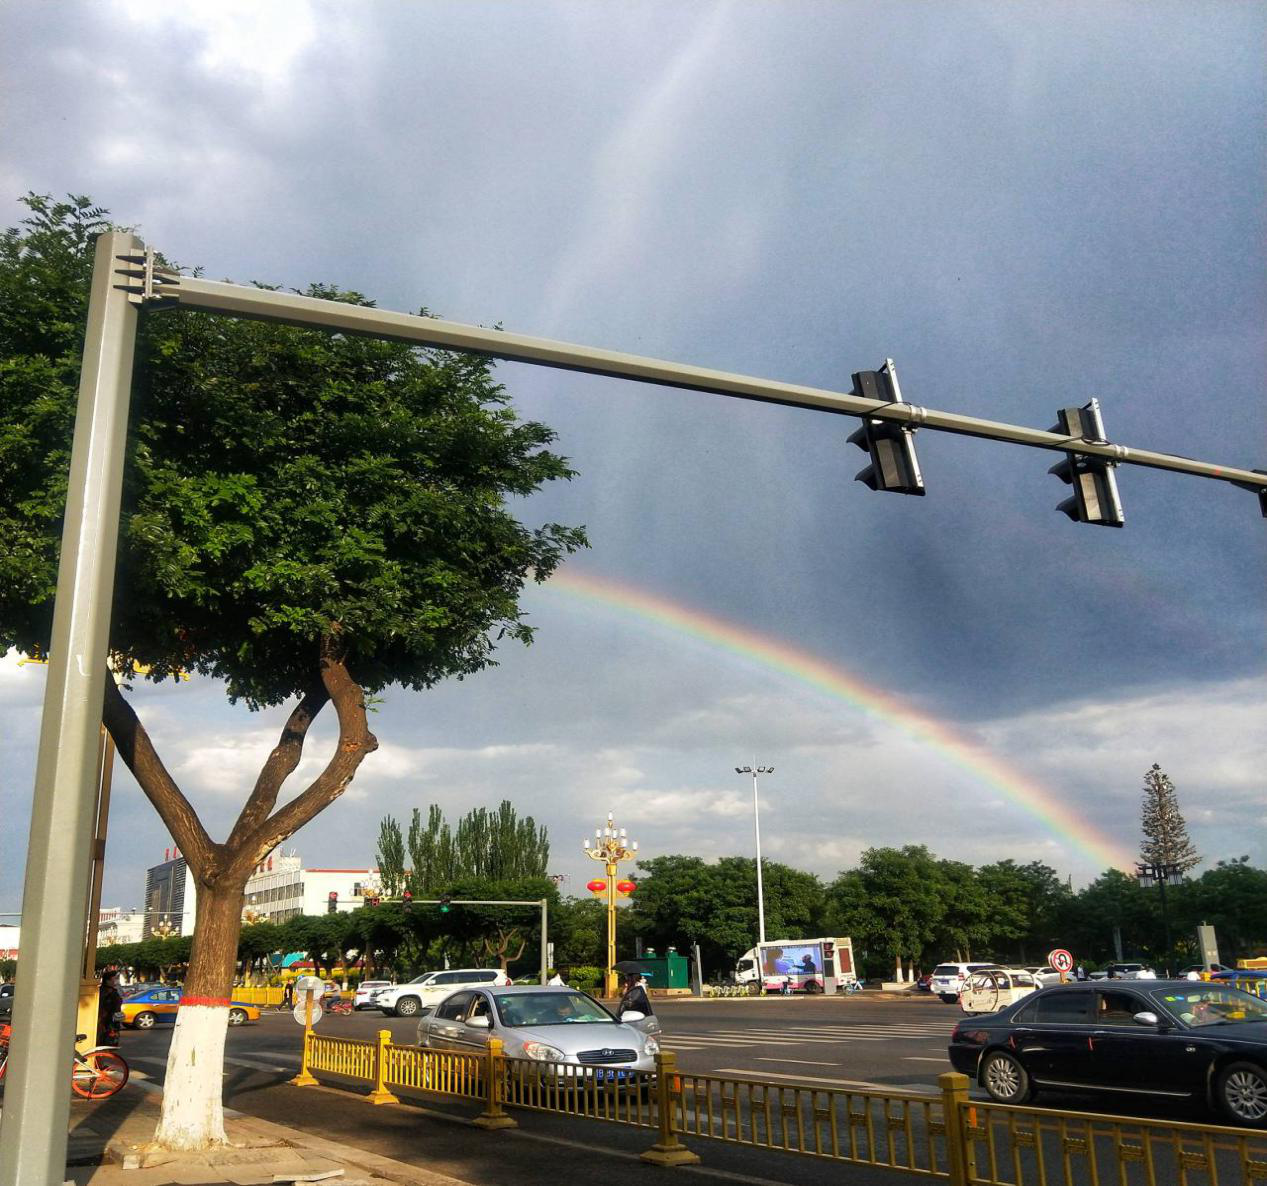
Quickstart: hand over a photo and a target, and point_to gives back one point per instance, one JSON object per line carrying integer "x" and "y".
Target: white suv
{"x": 429, "y": 989}
{"x": 948, "y": 979}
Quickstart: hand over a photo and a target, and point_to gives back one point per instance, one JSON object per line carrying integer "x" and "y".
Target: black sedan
{"x": 1179, "y": 1039}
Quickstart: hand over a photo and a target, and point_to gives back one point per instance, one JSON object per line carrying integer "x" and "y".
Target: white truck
{"x": 798, "y": 965}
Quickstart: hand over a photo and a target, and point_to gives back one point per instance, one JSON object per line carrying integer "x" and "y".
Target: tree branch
{"x": 137, "y": 751}
{"x": 355, "y": 742}
{"x": 280, "y": 765}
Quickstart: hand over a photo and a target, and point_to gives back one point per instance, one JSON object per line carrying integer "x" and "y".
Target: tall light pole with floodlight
{"x": 754, "y": 770}
{"x": 611, "y": 845}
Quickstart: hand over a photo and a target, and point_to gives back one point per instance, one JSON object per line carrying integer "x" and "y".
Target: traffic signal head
{"x": 1095, "y": 498}
{"x": 445, "y": 903}
{"x": 332, "y": 902}
{"x": 891, "y": 446}
{"x": 407, "y": 900}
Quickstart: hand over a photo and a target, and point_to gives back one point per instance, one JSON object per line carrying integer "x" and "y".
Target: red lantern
{"x": 596, "y": 886}
{"x": 626, "y": 887}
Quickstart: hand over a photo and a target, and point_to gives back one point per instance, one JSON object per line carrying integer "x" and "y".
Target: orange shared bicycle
{"x": 96, "y": 1074}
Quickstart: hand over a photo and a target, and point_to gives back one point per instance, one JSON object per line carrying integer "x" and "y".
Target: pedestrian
{"x": 634, "y": 999}
{"x": 288, "y": 994}
{"x": 558, "y": 980}
{"x": 109, "y": 1009}
{"x": 1079, "y": 973}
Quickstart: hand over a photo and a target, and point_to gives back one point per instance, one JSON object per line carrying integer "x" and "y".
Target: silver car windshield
{"x": 1209, "y": 1004}
{"x": 549, "y": 1008}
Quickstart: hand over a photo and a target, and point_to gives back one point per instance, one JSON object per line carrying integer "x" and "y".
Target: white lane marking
{"x": 919, "y": 1058}
{"x": 920, "y": 1087}
{"x": 802, "y": 1062}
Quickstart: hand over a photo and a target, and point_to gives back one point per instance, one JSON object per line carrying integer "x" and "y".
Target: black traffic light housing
{"x": 407, "y": 900}
{"x": 332, "y": 902}
{"x": 446, "y": 903}
{"x": 891, "y": 446}
{"x": 1095, "y": 498}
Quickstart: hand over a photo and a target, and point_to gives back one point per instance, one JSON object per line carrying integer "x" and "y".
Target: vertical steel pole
{"x": 756, "y": 823}
{"x": 545, "y": 944}
{"x": 37, "y": 1103}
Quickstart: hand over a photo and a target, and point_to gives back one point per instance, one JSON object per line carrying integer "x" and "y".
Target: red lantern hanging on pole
{"x": 597, "y": 886}
{"x": 625, "y": 888}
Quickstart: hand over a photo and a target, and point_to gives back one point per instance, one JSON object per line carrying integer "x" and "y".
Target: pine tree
{"x": 1166, "y": 840}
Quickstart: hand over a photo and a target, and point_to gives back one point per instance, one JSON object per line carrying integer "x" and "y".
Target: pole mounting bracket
{"x": 146, "y": 281}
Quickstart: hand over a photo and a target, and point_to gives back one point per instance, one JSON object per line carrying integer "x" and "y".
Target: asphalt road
{"x": 852, "y": 1042}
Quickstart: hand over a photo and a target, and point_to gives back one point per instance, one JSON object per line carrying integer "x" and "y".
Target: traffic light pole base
{"x": 670, "y": 1155}
{"x": 494, "y": 1122}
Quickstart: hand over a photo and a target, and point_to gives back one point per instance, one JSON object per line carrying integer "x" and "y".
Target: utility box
{"x": 670, "y": 970}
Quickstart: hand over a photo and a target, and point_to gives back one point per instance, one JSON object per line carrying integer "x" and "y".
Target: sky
{"x": 1024, "y": 205}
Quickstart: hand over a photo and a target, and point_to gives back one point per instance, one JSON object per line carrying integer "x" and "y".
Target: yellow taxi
{"x": 153, "y": 1006}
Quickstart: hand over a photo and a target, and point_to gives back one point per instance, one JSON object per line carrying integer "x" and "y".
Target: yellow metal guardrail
{"x": 945, "y": 1136}
{"x": 1255, "y": 986}
{"x": 1005, "y": 1145}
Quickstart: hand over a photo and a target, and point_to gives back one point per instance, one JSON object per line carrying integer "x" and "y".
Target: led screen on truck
{"x": 792, "y": 959}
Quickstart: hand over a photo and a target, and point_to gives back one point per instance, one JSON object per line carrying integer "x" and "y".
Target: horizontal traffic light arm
{"x": 533, "y": 902}
{"x": 189, "y": 292}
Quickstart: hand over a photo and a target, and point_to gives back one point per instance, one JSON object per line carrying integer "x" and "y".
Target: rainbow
{"x": 1038, "y": 801}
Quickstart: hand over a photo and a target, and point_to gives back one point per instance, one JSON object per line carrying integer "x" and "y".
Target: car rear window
{"x": 946, "y": 970}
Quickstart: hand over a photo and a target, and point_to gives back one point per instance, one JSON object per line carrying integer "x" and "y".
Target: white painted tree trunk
{"x": 193, "y": 1104}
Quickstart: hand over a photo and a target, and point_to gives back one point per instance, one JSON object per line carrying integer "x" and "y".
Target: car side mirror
{"x": 632, "y": 1015}
{"x": 481, "y": 1022}
{"x": 1147, "y": 1018}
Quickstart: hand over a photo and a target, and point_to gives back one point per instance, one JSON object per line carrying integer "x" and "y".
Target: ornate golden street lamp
{"x": 610, "y": 845}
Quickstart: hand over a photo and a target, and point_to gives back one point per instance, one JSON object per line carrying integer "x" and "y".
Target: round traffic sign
{"x": 301, "y": 1009}
{"x": 1060, "y": 959}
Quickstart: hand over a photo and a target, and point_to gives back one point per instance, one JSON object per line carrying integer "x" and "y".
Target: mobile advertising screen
{"x": 792, "y": 959}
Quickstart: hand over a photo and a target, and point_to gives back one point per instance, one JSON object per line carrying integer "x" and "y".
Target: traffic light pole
{"x": 194, "y": 292}
{"x": 55, "y": 893}
{"x": 543, "y": 903}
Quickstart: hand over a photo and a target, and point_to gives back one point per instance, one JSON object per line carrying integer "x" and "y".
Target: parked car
{"x": 1240, "y": 974}
{"x": 1046, "y": 975}
{"x": 6, "y": 999}
{"x": 157, "y": 1006}
{"x": 429, "y": 989}
{"x": 993, "y": 989}
{"x": 1199, "y": 968}
{"x": 948, "y": 979}
{"x": 564, "y": 1029}
{"x": 1168, "y": 1038}
{"x": 1129, "y": 971}
{"x": 924, "y": 983}
{"x": 363, "y": 998}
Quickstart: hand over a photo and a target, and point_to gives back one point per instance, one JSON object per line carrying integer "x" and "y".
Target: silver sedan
{"x": 557, "y": 1026}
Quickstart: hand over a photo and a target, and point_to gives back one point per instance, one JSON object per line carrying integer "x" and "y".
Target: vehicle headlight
{"x": 543, "y": 1052}
{"x": 651, "y": 1046}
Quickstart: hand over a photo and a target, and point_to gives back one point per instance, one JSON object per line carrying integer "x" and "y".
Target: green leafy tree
{"x": 1232, "y": 898}
{"x": 309, "y": 518}
{"x": 969, "y": 921}
{"x": 1166, "y": 840}
{"x": 391, "y": 857}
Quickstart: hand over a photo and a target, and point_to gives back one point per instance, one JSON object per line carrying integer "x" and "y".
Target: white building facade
{"x": 116, "y": 925}
{"x": 281, "y": 888}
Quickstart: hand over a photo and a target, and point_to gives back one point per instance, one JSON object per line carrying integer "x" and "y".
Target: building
{"x": 116, "y": 925}
{"x": 170, "y": 897}
{"x": 9, "y": 936}
{"x": 281, "y": 888}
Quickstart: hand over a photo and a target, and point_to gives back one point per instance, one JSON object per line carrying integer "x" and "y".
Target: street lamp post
{"x": 1161, "y": 874}
{"x": 754, "y": 770}
{"x": 611, "y": 845}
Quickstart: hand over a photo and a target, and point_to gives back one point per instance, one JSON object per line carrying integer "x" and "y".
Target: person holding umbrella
{"x": 634, "y": 996}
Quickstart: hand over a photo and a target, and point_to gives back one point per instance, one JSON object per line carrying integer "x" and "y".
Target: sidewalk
{"x": 109, "y": 1147}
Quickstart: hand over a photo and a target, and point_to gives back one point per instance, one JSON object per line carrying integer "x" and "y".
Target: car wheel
{"x": 145, "y": 1021}
{"x": 948, "y": 997}
{"x": 813, "y": 987}
{"x": 754, "y": 989}
{"x": 1005, "y": 1079}
{"x": 237, "y": 1016}
{"x": 407, "y": 1006}
{"x": 1241, "y": 1093}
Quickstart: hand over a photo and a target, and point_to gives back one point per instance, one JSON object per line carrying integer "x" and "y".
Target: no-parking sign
{"x": 1061, "y": 960}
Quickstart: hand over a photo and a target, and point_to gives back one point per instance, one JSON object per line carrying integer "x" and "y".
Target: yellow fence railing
{"x": 258, "y": 996}
{"x": 1006, "y": 1145}
{"x": 943, "y": 1136}
{"x": 1255, "y": 986}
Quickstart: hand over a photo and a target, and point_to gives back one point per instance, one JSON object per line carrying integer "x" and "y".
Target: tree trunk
{"x": 193, "y": 1105}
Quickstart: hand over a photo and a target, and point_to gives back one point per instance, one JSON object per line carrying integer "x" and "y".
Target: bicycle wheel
{"x": 98, "y": 1074}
